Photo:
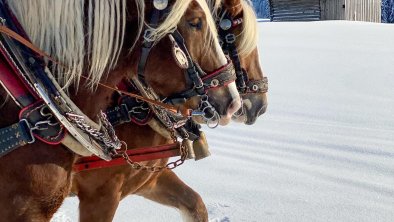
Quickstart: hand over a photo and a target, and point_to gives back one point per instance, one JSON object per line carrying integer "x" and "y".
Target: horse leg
{"x": 171, "y": 191}
{"x": 99, "y": 203}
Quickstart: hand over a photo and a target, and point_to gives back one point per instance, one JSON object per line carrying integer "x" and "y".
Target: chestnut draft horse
{"x": 92, "y": 37}
{"x": 100, "y": 190}
{"x": 244, "y": 27}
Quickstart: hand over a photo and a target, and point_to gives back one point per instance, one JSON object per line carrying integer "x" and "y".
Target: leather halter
{"x": 226, "y": 25}
{"x": 200, "y": 81}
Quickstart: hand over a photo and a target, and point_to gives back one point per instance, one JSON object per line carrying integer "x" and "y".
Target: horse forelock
{"x": 84, "y": 36}
{"x": 177, "y": 12}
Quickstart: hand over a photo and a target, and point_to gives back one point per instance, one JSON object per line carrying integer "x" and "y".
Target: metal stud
{"x": 160, "y": 4}
{"x": 255, "y": 88}
{"x": 225, "y": 24}
{"x": 214, "y": 82}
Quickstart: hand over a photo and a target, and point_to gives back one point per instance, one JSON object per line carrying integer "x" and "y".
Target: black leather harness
{"x": 226, "y": 25}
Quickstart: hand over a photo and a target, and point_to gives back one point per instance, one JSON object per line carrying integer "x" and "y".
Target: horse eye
{"x": 195, "y": 23}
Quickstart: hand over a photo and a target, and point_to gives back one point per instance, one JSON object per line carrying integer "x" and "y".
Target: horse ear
{"x": 233, "y": 7}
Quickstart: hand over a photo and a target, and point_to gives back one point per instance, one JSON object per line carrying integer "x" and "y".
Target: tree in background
{"x": 388, "y": 11}
{"x": 261, "y": 8}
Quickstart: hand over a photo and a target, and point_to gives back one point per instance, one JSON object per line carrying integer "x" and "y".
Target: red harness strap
{"x": 136, "y": 155}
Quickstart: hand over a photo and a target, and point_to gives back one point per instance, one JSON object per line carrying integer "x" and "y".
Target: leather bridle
{"x": 199, "y": 82}
{"x": 226, "y": 25}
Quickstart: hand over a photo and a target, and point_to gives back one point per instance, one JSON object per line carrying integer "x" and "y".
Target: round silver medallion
{"x": 225, "y": 24}
{"x": 160, "y": 4}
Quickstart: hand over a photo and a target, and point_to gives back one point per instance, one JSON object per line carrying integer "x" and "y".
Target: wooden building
{"x": 353, "y": 10}
{"x": 313, "y": 10}
{"x": 294, "y": 10}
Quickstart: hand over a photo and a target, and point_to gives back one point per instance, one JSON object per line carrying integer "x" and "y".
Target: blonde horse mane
{"x": 178, "y": 10}
{"x": 247, "y": 39}
{"x": 84, "y": 36}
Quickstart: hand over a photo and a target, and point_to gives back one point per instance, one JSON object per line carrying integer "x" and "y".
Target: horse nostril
{"x": 234, "y": 107}
{"x": 262, "y": 110}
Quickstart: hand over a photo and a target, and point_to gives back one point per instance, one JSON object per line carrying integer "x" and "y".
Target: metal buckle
{"x": 125, "y": 112}
{"x": 2, "y": 20}
{"x": 25, "y": 125}
{"x": 147, "y": 35}
{"x": 230, "y": 38}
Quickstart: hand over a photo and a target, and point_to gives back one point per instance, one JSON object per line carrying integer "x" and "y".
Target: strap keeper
{"x": 125, "y": 112}
{"x": 27, "y": 131}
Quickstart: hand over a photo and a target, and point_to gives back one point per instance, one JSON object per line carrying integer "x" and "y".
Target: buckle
{"x": 124, "y": 110}
{"x": 2, "y": 21}
{"x": 230, "y": 38}
{"x": 27, "y": 131}
{"x": 148, "y": 35}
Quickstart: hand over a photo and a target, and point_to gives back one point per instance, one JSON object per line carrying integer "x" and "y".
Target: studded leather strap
{"x": 14, "y": 136}
{"x": 257, "y": 86}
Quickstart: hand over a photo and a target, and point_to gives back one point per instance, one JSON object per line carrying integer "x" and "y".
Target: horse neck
{"x": 91, "y": 103}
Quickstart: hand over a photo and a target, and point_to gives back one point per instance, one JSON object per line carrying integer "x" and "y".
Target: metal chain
{"x": 111, "y": 142}
{"x": 155, "y": 168}
{"x": 171, "y": 165}
{"x": 109, "y": 129}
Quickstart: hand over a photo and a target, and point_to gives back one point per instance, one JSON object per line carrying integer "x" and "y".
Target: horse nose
{"x": 263, "y": 109}
{"x": 234, "y": 106}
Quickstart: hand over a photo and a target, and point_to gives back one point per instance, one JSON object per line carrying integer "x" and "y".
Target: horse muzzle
{"x": 253, "y": 106}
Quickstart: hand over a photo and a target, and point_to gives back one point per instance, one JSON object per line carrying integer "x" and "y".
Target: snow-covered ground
{"x": 324, "y": 151}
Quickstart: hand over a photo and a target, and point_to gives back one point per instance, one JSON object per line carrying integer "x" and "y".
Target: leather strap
{"x": 228, "y": 38}
{"x": 45, "y": 126}
{"x": 129, "y": 110}
{"x": 220, "y": 77}
{"x": 14, "y": 136}
{"x": 136, "y": 155}
{"x": 257, "y": 86}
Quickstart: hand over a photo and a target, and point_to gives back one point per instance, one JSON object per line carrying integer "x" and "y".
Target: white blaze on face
{"x": 222, "y": 58}
{"x": 247, "y": 103}
{"x": 234, "y": 92}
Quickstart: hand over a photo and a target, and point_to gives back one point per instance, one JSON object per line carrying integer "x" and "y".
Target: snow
{"x": 324, "y": 151}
